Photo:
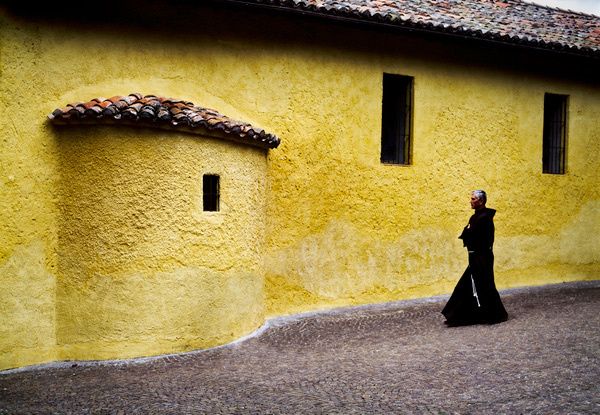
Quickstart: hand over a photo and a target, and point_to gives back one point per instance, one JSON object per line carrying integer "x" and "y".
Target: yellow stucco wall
{"x": 101, "y": 248}
{"x": 378, "y": 232}
{"x": 27, "y": 208}
{"x": 139, "y": 261}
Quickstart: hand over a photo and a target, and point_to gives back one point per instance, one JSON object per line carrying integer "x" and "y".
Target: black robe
{"x": 475, "y": 298}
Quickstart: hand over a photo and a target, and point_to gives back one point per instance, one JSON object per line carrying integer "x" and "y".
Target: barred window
{"x": 555, "y": 133}
{"x": 210, "y": 189}
{"x": 396, "y": 119}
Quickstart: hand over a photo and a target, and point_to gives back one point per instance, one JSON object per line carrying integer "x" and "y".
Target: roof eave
{"x": 204, "y": 132}
{"x": 412, "y": 27}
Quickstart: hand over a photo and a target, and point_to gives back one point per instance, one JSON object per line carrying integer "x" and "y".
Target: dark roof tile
{"x": 151, "y": 110}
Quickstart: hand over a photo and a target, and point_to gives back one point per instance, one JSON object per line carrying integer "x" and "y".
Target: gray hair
{"x": 480, "y": 194}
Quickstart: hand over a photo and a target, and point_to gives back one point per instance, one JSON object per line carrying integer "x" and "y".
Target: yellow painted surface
{"x": 27, "y": 304}
{"x": 140, "y": 263}
{"x": 359, "y": 231}
{"x": 106, "y": 253}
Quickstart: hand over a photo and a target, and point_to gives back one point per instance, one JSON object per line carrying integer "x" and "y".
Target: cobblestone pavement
{"x": 396, "y": 358}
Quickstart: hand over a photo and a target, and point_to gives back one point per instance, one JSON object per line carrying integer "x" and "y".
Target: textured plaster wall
{"x": 102, "y": 248}
{"x": 27, "y": 204}
{"x": 359, "y": 231}
{"x": 140, "y": 263}
{"x": 106, "y": 252}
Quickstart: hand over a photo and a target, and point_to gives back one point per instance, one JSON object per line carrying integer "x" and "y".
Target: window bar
{"x": 555, "y": 133}
{"x": 563, "y": 136}
{"x": 408, "y": 121}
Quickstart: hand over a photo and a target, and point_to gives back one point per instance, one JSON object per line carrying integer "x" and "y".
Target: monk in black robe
{"x": 475, "y": 299}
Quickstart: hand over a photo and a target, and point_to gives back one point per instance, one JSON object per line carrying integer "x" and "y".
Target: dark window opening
{"x": 555, "y": 133}
{"x": 396, "y": 119}
{"x": 210, "y": 189}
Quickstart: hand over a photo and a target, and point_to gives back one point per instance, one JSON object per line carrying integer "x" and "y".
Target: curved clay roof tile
{"x": 152, "y": 110}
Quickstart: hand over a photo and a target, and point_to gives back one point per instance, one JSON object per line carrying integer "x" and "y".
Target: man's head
{"x": 478, "y": 199}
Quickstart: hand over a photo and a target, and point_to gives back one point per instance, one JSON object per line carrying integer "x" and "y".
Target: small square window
{"x": 211, "y": 195}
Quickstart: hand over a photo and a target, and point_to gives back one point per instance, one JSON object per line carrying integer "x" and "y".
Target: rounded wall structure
{"x": 143, "y": 269}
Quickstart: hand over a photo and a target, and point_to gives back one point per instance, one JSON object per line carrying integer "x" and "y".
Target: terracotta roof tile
{"x": 512, "y": 21}
{"x": 151, "y": 110}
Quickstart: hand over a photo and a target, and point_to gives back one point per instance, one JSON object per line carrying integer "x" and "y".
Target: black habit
{"x": 475, "y": 298}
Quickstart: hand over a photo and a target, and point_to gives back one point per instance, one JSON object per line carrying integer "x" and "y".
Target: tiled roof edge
{"x": 353, "y": 13}
{"x": 164, "y": 113}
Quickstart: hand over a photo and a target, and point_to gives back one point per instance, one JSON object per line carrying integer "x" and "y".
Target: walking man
{"x": 475, "y": 299}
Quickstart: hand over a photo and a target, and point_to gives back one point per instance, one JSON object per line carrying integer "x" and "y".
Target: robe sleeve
{"x": 479, "y": 235}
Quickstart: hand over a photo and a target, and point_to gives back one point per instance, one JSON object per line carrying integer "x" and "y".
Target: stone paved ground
{"x": 392, "y": 359}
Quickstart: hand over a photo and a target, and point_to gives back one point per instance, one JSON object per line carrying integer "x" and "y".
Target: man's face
{"x": 476, "y": 203}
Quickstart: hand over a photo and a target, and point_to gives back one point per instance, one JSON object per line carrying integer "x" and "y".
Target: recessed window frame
{"x": 554, "y": 141}
{"x": 397, "y": 110}
{"x": 211, "y": 192}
